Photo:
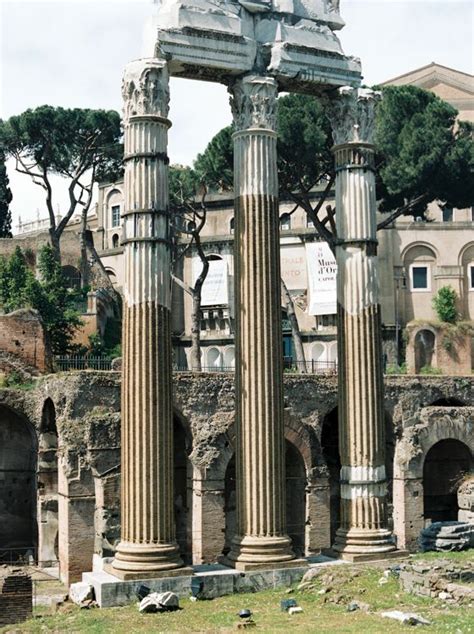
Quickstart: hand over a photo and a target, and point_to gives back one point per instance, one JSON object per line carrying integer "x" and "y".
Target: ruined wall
{"x": 420, "y": 411}
{"x": 22, "y": 335}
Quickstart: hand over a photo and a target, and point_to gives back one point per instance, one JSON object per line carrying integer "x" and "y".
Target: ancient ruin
{"x": 144, "y": 476}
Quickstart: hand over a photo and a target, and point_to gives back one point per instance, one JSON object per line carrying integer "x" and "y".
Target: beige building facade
{"x": 417, "y": 257}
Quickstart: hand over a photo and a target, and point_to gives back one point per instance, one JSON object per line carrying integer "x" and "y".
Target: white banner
{"x": 215, "y": 290}
{"x": 293, "y": 267}
{"x": 322, "y": 272}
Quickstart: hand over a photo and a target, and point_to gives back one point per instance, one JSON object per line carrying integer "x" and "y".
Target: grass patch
{"x": 323, "y": 612}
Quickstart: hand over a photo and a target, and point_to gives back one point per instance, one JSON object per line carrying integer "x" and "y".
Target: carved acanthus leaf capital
{"x": 254, "y": 103}
{"x": 352, "y": 115}
{"x": 145, "y": 88}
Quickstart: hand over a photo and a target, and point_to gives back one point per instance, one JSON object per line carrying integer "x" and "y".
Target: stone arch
{"x": 318, "y": 355}
{"x": 18, "y": 459}
{"x": 115, "y": 241}
{"x": 447, "y": 402}
{"x": 419, "y": 250}
{"x": 72, "y": 276}
{"x": 446, "y": 462}
{"x": 408, "y": 482}
{"x": 424, "y": 342}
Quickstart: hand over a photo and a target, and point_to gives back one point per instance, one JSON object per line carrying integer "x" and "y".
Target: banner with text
{"x": 215, "y": 290}
{"x": 322, "y": 272}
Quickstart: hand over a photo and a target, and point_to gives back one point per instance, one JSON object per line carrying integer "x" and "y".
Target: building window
{"x": 116, "y": 216}
{"x": 448, "y": 214}
{"x": 285, "y": 222}
{"x": 471, "y": 277}
{"x": 232, "y": 225}
{"x": 115, "y": 241}
{"x": 419, "y": 277}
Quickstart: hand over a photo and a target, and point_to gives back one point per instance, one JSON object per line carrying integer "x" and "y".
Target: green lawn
{"x": 322, "y": 612}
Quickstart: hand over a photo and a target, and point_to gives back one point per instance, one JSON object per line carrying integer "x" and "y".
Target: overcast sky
{"x": 72, "y": 53}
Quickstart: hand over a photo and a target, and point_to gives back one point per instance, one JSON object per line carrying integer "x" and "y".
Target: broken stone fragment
{"x": 159, "y": 602}
{"x": 408, "y": 618}
{"x": 81, "y": 592}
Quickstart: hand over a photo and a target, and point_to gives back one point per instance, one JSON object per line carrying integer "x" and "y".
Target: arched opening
{"x": 232, "y": 226}
{"x": 18, "y": 534}
{"x": 295, "y": 498}
{"x": 115, "y": 241}
{"x": 330, "y": 449}
{"x": 112, "y": 276}
{"x": 182, "y": 501}
{"x": 229, "y": 358}
{"x": 72, "y": 277}
{"x": 214, "y": 359}
{"x": 448, "y": 402}
{"x": 48, "y": 487}
{"x": 424, "y": 349}
{"x": 445, "y": 464}
{"x": 318, "y": 355}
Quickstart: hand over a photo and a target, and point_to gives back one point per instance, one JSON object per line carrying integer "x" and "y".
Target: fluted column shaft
{"x": 260, "y": 450}
{"x": 148, "y": 530}
{"x": 363, "y": 528}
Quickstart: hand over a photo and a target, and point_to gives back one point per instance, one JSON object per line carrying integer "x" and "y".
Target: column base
{"x": 250, "y": 553}
{"x": 124, "y": 575}
{"x": 357, "y": 543}
{"x": 145, "y": 561}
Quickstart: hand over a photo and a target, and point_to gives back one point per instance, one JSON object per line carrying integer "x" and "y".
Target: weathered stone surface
{"x": 447, "y": 536}
{"x": 159, "y": 602}
{"x": 80, "y": 592}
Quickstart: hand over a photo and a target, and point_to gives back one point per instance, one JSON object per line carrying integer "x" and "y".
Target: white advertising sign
{"x": 215, "y": 291}
{"x": 293, "y": 267}
{"x": 322, "y": 272}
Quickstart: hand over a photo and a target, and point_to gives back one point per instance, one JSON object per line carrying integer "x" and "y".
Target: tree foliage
{"x": 421, "y": 155}
{"x": 215, "y": 165}
{"x": 5, "y": 200}
{"x": 81, "y": 145}
{"x": 49, "y": 295}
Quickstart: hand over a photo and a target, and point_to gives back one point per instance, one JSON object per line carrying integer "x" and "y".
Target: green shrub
{"x": 427, "y": 369}
{"x": 444, "y": 303}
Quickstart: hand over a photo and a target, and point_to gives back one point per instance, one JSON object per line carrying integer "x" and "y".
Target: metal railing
{"x": 67, "y": 363}
{"x": 310, "y": 367}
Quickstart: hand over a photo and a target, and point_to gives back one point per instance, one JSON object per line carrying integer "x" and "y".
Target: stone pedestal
{"x": 363, "y": 530}
{"x": 148, "y": 546}
{"x": 260, "y": 456}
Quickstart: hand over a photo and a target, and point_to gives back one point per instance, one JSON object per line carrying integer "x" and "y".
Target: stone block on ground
{"x": 81, "y": 592}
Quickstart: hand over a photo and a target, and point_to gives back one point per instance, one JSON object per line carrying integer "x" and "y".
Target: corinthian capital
{"x": 254, "y": 102}
{"x": 145, "y": 88}
{"x": 352, "y": 115}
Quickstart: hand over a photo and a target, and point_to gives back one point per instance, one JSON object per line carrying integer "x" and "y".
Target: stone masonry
{"x": 87, "y": 407}
{"x": 16, "y": 596}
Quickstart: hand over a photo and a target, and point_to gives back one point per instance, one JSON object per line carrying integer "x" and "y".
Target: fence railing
{"x": 310, "y": 367}
{"x": 76, "y": 362}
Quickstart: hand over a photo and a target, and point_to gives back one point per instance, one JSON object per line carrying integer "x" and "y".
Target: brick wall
{"x": 15, "y": 596}
{"x": 22, "y": 335}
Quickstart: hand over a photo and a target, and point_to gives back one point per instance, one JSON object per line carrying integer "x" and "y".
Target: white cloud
{"x": 72, "y": 53}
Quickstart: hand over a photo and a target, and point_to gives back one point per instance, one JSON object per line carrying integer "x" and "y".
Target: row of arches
{"x": 29, "y": 518}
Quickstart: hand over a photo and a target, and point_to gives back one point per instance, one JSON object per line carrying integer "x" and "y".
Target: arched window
{"x": 214, "y": 361}
{"x": 285, "y": 222}
{"x": 229, "y": 358}
{"x": 115, "y": 241}
{"x": 114, "y": 206}
{"x": 232, "y": 225}
{"x": 318, "y": 355}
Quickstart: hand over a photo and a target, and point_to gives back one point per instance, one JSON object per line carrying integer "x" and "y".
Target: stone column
{"x": 363, "y": 530}
{"x": 148, "y": 546}
{"x": 260, "y": 456}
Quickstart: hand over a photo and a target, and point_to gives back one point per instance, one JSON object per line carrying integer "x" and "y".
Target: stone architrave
{"x": 148, "y": 547}
{"x": 260, "y": 456}
{"x": 363, "y": 530}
